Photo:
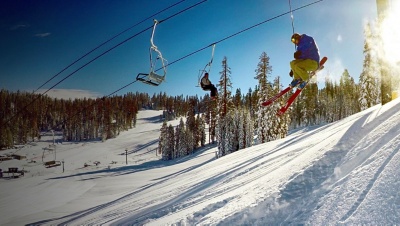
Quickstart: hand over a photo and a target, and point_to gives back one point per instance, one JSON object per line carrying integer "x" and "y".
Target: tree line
{"x": 25, "y": 116}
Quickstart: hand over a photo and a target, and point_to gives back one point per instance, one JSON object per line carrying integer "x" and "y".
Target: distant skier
{"x": 306, "y": 59}
{"x": 207, "y": 85}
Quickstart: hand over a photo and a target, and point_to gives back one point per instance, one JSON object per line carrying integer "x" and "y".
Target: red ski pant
{"x": 301, "y": 67}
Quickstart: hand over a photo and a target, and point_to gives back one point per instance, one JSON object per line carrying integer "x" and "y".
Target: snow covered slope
{"x": 340, "y": 173}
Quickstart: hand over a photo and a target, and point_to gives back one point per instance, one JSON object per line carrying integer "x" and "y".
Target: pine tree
{"x": 213, "y": 120}
{"x": 170, "y": 143}
{"x": 162, "y": 141}
{"x": 225, "y": 86}
{"x": 262, "y": 73}
{"x": 309, "y": 102}
{"x": 221, "y": 136}
{"x": 349, "y": 95}
{"x": 191, "y": 126}
{"x": 249, "y": 129}
{"x": 329, "y": 100}
{"x": 247, "y": 102}
{"x": 237, "y": 100}
{"x": 190, "y": 141}
{"x": 255, "y": 98}
{"x": 224, "y": 106}
{"x": 279, "y": 127}
{"x": 369, "y": 85}
{"x": 178, "y": 138}
{"x": 234, "y": 130}
{"x": 200, "y": 138}
{"x": 181, "y": 139}
{"x": 242, "y": 130}
{"x": 230, "y": 134}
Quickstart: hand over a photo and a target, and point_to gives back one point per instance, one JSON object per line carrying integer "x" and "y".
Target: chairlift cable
{"x": 291, "y": 16}
{"x": 119, "y": 44}
{"x": 121, "y": 88}
{"x": 107, "y": 41}
{"x": 183, "y": 10}
{"x": 239, "y": 32}
{"x": 97, "y": 57}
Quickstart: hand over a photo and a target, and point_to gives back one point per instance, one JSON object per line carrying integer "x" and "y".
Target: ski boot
{"x": 295, "y": 82}
{"x": 302, "y": 85}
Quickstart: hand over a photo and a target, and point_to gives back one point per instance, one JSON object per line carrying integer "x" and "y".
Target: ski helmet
{"x": 296, "y": 37}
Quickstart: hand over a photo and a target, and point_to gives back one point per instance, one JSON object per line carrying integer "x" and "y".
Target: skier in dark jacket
{"x": 207, "y": 85}
{"x": 306, "y": 59}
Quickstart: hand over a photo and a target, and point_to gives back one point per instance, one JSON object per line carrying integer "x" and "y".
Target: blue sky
{"x": 40, "y": 38}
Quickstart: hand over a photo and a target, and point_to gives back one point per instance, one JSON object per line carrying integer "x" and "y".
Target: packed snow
{"x": 344, "y": 172}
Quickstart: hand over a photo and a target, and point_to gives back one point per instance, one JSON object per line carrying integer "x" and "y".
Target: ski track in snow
{"x": 338, "y": 173}
{"x": 366, "y": 162}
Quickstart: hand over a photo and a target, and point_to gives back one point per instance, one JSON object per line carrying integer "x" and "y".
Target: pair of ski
{"x": 295, "y": 94}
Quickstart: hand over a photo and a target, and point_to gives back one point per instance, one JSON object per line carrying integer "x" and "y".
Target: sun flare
{"x": 390, "y": 34}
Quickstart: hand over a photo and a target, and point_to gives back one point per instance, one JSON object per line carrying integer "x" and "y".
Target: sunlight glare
{"x": 390, "y": 34}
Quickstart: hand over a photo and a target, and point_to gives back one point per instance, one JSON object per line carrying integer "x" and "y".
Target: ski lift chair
{"x": 152, "y": 78}
{"x": 206, "y": 69}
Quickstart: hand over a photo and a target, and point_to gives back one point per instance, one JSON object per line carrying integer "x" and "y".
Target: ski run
{"x": 344, "y": 172}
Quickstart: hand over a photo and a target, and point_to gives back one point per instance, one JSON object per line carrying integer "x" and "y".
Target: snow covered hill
{"x": 340, "y": 173}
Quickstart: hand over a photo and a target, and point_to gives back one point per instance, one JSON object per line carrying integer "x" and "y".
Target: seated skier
{"x": 306, "y": 59}
{"x": 207, "y": 85}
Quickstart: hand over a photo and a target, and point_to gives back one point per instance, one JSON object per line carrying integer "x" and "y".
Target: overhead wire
{"x": 291, "y": 16}
{"x": 239, "y": 32}
{"x": 122, "y": 42}
{"x": 107, "y": 41}
{"x": 98, "y": 56}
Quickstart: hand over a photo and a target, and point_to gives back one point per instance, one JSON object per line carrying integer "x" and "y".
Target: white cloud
{"x": 19, "y": 26}
{"x": 339, "y": 38}
{"x": 70, "y": 94}
{"x": 42, "y": 35}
